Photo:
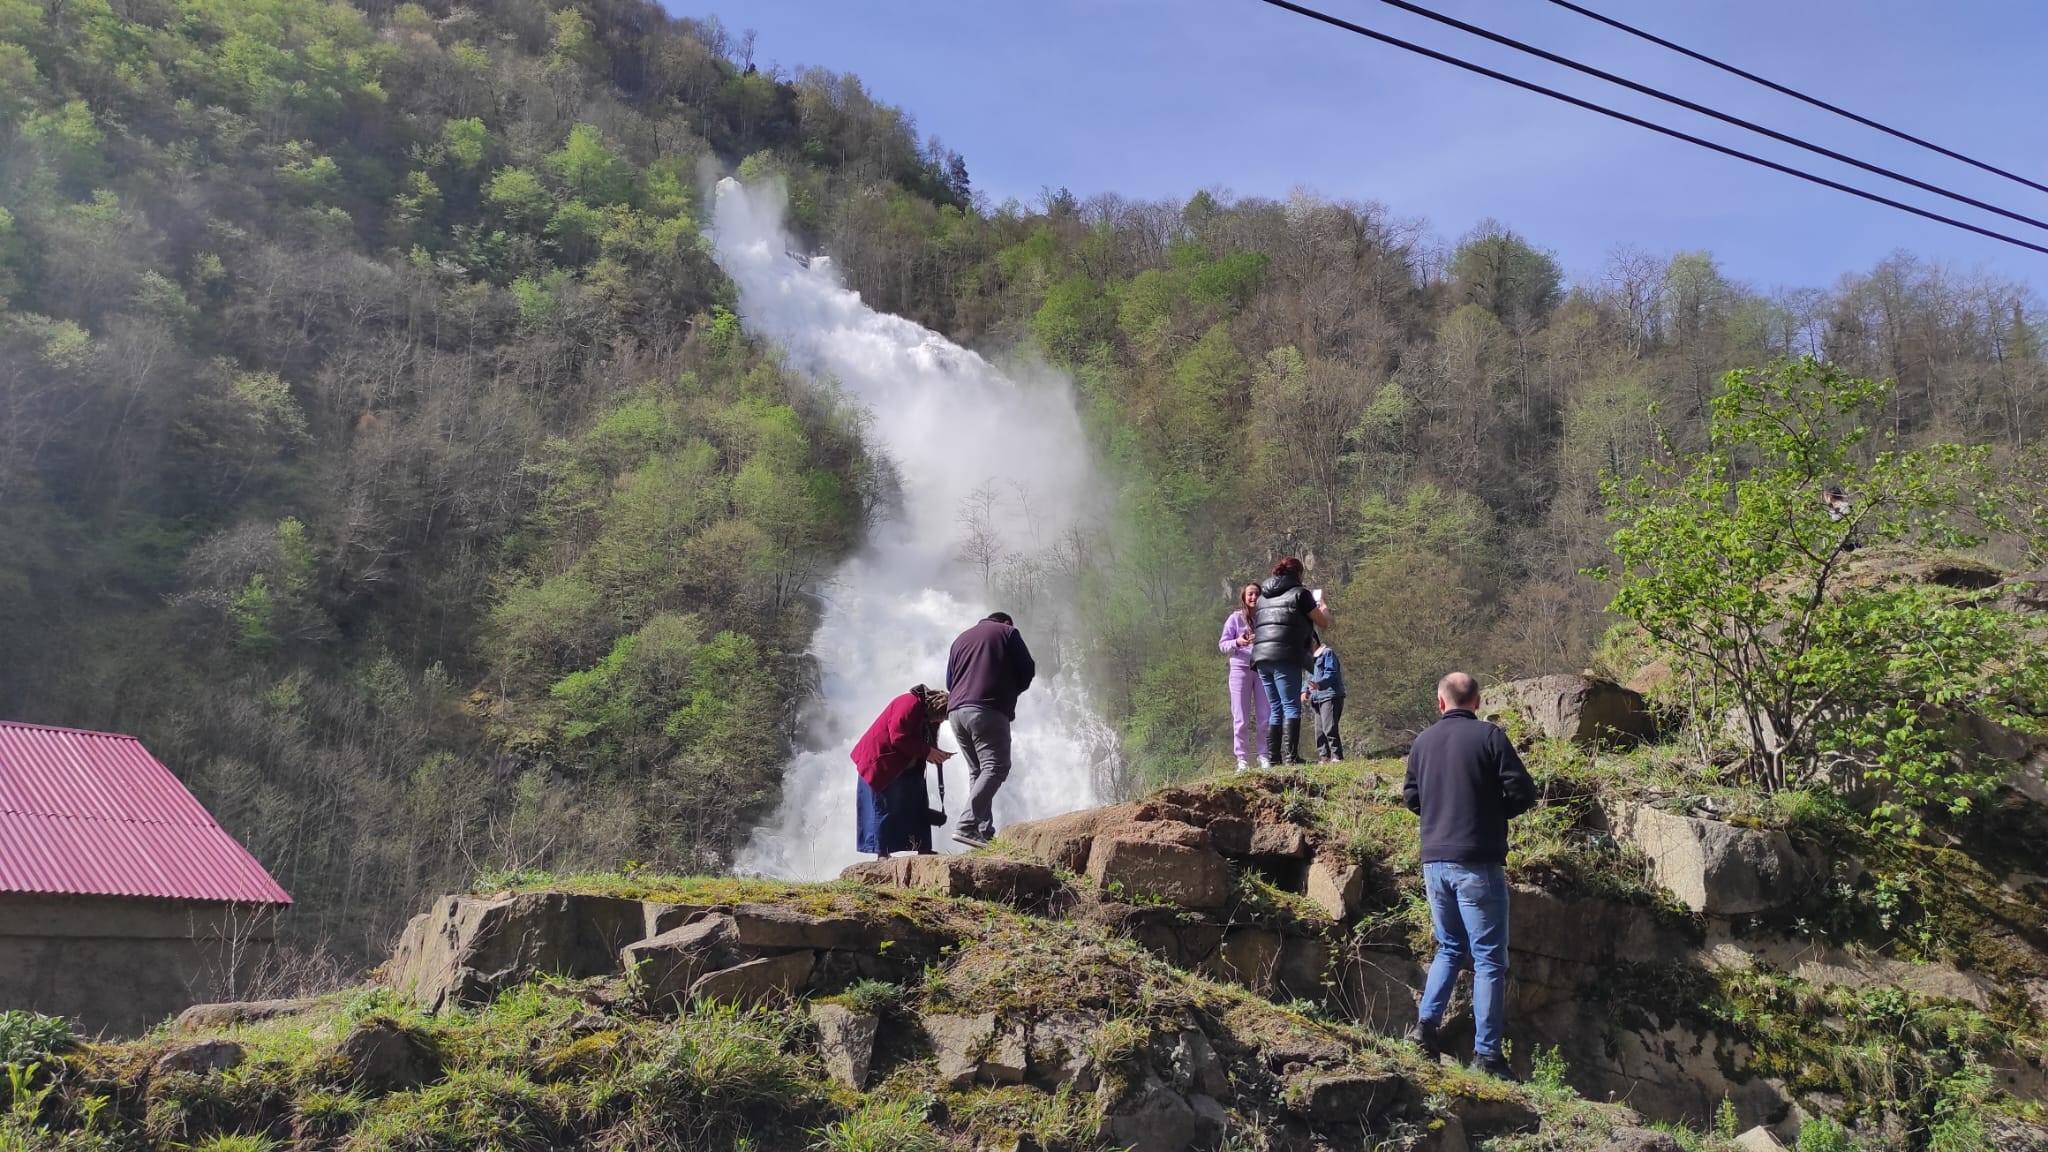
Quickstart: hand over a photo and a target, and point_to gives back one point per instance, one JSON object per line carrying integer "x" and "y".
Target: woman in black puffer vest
{"x": 1283, "y": 621}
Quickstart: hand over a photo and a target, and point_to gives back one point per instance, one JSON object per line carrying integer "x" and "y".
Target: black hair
{"x": 1002, "y": 618}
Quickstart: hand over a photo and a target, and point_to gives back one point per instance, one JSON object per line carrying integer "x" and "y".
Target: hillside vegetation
{"x": 377, "y": 444}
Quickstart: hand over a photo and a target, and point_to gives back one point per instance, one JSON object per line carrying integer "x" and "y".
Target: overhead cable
{"x": 1796, "y": 94}
{"x": 1674, "y": 133}
{"x": 1702, "y": 109}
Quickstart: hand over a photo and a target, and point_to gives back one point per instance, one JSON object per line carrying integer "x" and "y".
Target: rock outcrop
{"x": 1582, "y": 709}
{"x": 468, "y": 948}
{"x": 1023, "y": 883}
{"x": 1715, "y": 868}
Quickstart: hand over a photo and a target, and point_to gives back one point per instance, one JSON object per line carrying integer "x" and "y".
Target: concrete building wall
{"x": 117, "y": 965}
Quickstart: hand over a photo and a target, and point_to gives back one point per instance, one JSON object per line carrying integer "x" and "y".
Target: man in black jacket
{"x": 988, "y": 668}
{"x": 1466, "y": 782}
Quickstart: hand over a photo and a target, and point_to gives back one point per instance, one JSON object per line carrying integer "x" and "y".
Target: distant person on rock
{"x": 1283, "y": 619}
{"x": 895, "y": 812}
{"x": 1836, "y": 502}
{"x": 1466, "y": 782}
{"x": 1247, "y": 698}
{"x": 988, "y": 668}
{"x": 1326, "y": 696}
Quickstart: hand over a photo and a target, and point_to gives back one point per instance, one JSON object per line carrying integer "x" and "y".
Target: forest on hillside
{"x": 377, "y": 441}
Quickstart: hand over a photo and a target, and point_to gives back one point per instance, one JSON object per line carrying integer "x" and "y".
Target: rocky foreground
{"x": 1218, "y": 966}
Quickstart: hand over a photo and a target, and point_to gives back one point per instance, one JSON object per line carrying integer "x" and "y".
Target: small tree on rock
{"x": 1776, "y": 610}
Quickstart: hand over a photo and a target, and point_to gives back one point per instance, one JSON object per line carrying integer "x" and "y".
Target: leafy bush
{"x": 1822, "y": 1134}
{"x": 27, "y": 1036}
{"x": 873, "y": 997}
{"x": 1730, "y": 561}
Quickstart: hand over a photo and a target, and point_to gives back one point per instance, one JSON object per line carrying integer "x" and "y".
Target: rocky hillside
{"x": 1219, "y": 966}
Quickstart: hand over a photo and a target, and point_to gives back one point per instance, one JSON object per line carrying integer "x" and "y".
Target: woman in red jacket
{"x": 895, "y": 810}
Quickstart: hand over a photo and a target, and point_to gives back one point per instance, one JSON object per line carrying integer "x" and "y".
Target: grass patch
{"x": 899, "y": 1125}
{"x": 501, "y": 1111}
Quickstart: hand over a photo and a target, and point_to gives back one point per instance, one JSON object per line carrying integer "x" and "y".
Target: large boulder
{"x": 383, "y": 1056}
{"x": 1379, "y": 989}
{"x": 1582, "y": 709}
{"x": 1304, "y": 969}
{"x": 1494, "y": 1114}
{"x": 846, "y": 1041}
{"x": 1189, "y": 1060}
{"x": 200, "y": 1059}
{"x": 466, "y": 949}
{"x": 1021, "y": 882}
{"x": 1249, "y": 956}
{"x": 1179, "y": 939}
{"x": 668, "y": 966}
{"x": 1286, "y": 840}
{"x": 767, "y": 980}
{"x": 1160, "y": 860}
{"x": 778, "y": 928}
{"x": 980, "y": 1047}
{"x": 1147, "y": 1115}
{"x": 1348, "y": 1096}
{"x": 206, "y": 1017}
{"x": 1336, "y": 885}
{"x": 1062, "y": 1051}
{"x": 1715, "y": 868}
{"x": 1066, "y": 841}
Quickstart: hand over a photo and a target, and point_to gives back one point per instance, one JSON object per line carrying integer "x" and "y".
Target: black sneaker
{"x": 1423, "y": 1034}
{"x": 970, "y": 839}
{"x": 1495, "y": 1066}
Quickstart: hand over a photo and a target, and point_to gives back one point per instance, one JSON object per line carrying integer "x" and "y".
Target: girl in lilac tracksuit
{"x": 1247, "y": 699}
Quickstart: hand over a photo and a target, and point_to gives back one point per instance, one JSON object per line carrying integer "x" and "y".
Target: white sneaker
{"x": 1265, "y": 765}
{"x": 1242, "y": 767}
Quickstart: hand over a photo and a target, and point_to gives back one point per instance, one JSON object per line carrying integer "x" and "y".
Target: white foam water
{"x": 986, "y": 461}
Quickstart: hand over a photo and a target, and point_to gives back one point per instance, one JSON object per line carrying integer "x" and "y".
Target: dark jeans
{"x": 1468, "y": 905}
{"x": 1329, "y": 715}
{"x": 984, "y": 738}
{"x": 1282, "y": 684}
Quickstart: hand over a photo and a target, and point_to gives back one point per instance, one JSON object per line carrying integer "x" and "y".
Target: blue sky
{"x": 1157, "y": 98}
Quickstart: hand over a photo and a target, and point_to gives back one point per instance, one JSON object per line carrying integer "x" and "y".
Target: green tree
{"x": 1782, "y": 615}
{"x": 589, "y": 169}
{"x": 1506, "y": 275}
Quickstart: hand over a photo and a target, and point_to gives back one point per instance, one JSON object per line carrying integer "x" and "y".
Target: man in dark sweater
{"x": 1466, "y": 782}
{"x": 988, "y": 668}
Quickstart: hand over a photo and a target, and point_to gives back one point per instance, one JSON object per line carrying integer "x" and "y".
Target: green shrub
{"x": 26, "y": 1036}
{"x": 873, "y": 997}
{"x": 1822, "y": 1134}
{"x": 1731, "y": 563}
{"x": 1548, "y": 1070}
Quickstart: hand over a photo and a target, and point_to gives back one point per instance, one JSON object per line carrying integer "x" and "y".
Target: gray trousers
{"x": 984, "y": 738}
{"x": 1329, "y": 716}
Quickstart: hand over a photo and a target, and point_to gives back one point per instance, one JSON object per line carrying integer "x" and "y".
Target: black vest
{"x": 1280, "y": 628}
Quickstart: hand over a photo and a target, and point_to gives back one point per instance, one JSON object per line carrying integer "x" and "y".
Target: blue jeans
{"x": 1282, "y": 682}
{"x": 1468, "y": 904}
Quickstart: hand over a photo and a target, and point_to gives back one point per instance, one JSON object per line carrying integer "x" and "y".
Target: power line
{"x": 1702, "y": 109}
{"x": 1816, "y": 101}
{"x": 1588, "y": 105}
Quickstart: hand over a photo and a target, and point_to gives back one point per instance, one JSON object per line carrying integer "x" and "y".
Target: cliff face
{"x": 1219, "y": 966}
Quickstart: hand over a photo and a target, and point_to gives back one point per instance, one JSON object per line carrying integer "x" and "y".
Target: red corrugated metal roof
{"x": 94, "y": 814}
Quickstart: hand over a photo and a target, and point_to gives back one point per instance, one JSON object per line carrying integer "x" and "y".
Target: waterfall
{"x": 994, "y": 491}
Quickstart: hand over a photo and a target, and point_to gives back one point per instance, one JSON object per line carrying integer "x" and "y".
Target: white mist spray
{"x": 986, "y": 464}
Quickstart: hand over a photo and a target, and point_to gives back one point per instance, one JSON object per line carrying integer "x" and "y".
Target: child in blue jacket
{"x": 1326, "y": 694}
